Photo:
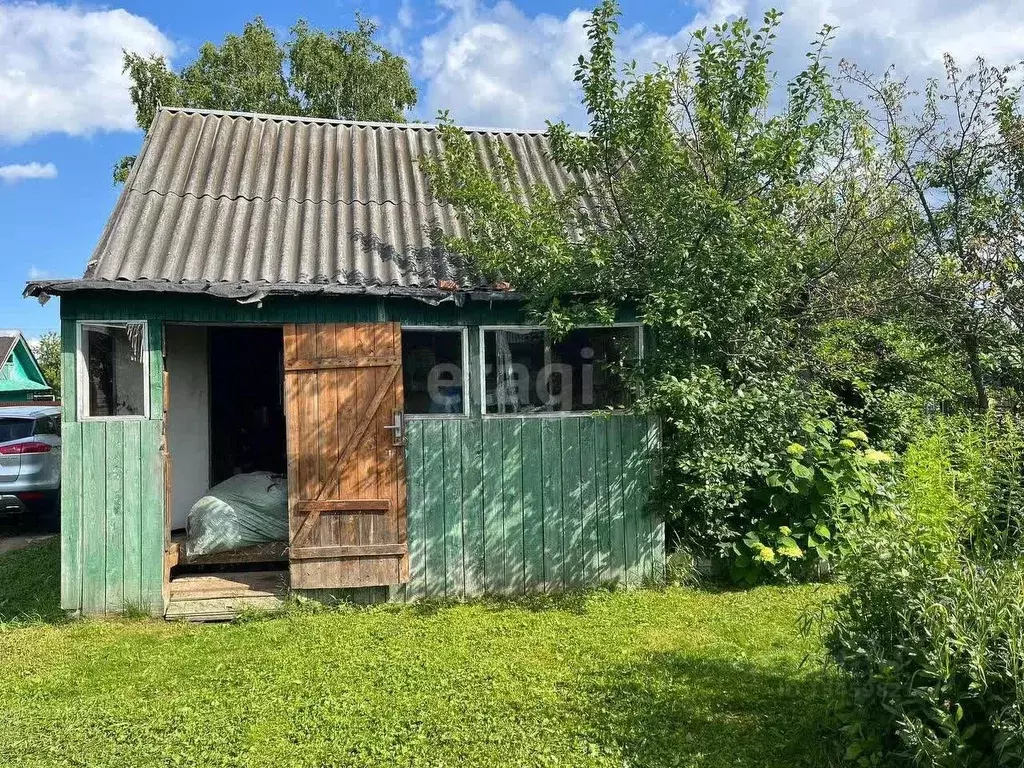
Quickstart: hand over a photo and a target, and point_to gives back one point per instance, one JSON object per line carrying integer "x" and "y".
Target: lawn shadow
{"x": 30, "y": 585}
{"x": 682, "y": 710}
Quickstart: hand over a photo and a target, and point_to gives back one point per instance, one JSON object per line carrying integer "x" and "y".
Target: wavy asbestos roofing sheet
{"x": 242, "y": 201}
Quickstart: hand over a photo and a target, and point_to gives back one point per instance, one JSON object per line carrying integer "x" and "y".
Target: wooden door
{"x": 346, "y": 472}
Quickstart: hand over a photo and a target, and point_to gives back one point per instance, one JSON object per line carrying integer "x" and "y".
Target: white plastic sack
{"x": 240, "y": 512}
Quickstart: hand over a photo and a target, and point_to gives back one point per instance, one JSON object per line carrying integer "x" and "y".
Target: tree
{"x": 958, "y": 164}
{"x": 48, "y": 355}
{"x": 344, "y": 74}
{"x": 735, "y": 230}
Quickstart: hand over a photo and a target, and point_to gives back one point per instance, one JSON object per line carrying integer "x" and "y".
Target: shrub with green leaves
{"x": 799, "y": 515}
{"x": 931, "y": 630}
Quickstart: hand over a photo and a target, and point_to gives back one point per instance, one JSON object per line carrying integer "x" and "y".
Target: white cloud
{"x": 405, "y": 14}
{"x": 35, "y": 273}
{"x": 497, "y": 66}
{"x": 60, "y": 68}
{"x": 494, "y": 65}
{"x": 13, "y": 173}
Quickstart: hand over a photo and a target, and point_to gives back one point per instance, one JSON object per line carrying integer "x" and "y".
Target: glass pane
{"x": 593, "y": 361}
{"x": 115, "y": 369}
{"x": 15, "y": 429}
{"x": 432, "y": 371}
{"x": 515, "y": 374}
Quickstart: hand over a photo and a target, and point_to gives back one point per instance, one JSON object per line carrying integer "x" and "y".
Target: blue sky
{"x": 65, "y": 117}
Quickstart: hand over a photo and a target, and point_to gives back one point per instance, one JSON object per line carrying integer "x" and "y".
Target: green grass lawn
{"x": 647, "y": 678}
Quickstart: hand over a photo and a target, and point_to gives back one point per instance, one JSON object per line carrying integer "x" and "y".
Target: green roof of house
{"x": 19, "y": 370}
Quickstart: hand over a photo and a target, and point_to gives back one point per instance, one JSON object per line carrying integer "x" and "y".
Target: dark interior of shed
{"x": 247, "y": 427}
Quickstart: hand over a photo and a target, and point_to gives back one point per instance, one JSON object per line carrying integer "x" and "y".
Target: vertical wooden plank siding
{"x": 112, "y": 496}
{"x": 71, "y": 517}
{"x": 414, "y": 482}
{"x": 500, "y": 505}
{"x": 455, "y": 566}
{"x": 513, "y": 505}
{"x": 133, "y": 513}
{"x": 115, "y": 515}
{"x": 551, "y": 506}
{"x": 533, "y": 506}
{"x": 433, "y": 508}
{"x": 472, "y": 505}
{"x": 494, "y": 538}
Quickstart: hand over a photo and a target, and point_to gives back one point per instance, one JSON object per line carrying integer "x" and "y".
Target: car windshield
{"x": 15, "y": 429}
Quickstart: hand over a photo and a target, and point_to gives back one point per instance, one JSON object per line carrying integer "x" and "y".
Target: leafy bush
{"x": 931, "y": 631}
{"x": 799, "y": 515}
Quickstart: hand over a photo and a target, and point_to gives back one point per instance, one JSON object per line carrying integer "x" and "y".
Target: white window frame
{"x": 463, "y": 332}
{"x": 82, "y": 371}
{"x": 639, "y": 327}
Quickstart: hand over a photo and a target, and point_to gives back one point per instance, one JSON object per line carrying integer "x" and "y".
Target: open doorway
{"x": 225, "y": 425}
{"x": 247, "y": 430}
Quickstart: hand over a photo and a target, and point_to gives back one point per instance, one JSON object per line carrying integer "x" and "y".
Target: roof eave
{"x": 248, "y": 293}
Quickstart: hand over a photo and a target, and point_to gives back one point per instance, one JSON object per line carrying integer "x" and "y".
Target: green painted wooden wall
{"x": 497, "y": 505}
{"x": 513, "y": 505}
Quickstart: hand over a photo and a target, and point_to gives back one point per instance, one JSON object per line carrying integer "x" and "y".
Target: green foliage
{"x": 726, "y": 224}
{"x": 800, "y": 517}
{"x": 952, "y": 153}
{"x": 931, "y": 631}
{"x": 597, "y": 680}
{"x": 344, "y": 74}
{"x": 48, "y": 356}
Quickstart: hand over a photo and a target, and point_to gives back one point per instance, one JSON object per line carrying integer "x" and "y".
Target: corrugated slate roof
{"x": 236, "y": 204}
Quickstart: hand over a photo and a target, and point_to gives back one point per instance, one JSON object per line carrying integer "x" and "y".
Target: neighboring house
{"x": 269, "y": 294}
{"x": 21, "y": 379}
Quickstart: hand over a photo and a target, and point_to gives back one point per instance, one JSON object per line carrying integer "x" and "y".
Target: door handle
{"x": 397, "y": 429}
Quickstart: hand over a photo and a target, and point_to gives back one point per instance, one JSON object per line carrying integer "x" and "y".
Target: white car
{"x": 30, "y": 464}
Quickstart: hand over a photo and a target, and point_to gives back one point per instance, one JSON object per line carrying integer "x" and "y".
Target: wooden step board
{"x": 223, "y": 596}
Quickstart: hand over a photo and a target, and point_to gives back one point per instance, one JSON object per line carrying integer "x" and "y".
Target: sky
{"x": 65, "y": 115}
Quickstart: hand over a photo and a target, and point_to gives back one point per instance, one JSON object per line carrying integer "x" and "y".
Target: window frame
{"x": 82, "y": 371}
{"x": 467, "y": 397}
{"x": 638, "y": 327}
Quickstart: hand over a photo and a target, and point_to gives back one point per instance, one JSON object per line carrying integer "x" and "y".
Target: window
{"x": 113, "y": 371}
{"x": 47, "y": 425}
{"x": 15, "y": 429}
{"x": 526, "y": 372}
{"x": 434, "y": 370}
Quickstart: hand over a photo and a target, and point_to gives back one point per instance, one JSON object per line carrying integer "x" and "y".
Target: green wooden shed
{"x": 269, "y": 295}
